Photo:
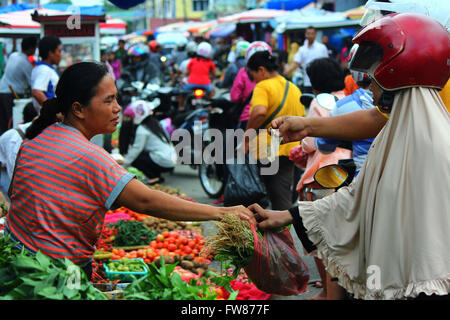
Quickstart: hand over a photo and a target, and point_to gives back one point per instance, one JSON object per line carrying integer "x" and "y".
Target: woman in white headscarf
{"x": 386, "y": 235}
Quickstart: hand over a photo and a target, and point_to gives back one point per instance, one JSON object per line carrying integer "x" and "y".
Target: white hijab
{"x": 387, "y": 235}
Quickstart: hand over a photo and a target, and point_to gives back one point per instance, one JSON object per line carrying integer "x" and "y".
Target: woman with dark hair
{"x": 326, "y": 76}
{"x": 150, "y": 149}
{"x": 272, "y": 91}
{"x": 63, "y": 184}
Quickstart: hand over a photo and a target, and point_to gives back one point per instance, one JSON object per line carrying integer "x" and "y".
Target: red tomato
{"x": 153, "y": 244}
{"x": 172, "y": 247}
{"x": 159, "y": 238}
{"x": 191, "y": 244}
{"x": 219, "y": 292}
{"x": 174, "y": 234}
{"x": 187, "y": 250}
{"x": 159, "y": 245}
{"x": 165, "y": 234}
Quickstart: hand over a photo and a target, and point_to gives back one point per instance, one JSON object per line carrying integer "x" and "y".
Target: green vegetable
{"x": 233, "y": 242}
{"x": 138, "y": 173}
{"x": 132, "y": 233}
{"x": 24, "y": 276}
{"x": 164, "y": 284}
{"x": 126, "y": 265}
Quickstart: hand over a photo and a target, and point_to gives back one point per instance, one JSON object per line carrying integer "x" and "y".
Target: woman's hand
{"x": 243, "y": 212}
{"x": 291, "y": 128}
{"x": 270, "y": 219}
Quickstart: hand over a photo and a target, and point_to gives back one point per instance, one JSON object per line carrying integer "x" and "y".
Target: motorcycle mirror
{"x": 139, "y": 85}
{"x": 331, "y": 176}
{"x": 326, "y": 100}
{"x": 216, "y": 110}
{"x": 128, "y": 89}
{"x": 152, "y": 87}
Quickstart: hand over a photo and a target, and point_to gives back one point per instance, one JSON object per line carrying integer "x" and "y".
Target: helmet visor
{"x": 366, "y": 58}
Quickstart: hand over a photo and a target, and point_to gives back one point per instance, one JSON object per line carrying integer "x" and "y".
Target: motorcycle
{"x": 211, "y": 173}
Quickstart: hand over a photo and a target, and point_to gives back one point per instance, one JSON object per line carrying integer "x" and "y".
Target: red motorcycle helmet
{"x": 153, "y": 45}
{"x": 403, "y": 50}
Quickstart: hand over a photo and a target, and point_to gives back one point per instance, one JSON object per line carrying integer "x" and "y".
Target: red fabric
{"x": 199, "y": 70}
{"x": 248, "y": 291}
{"x": 350, "y": 85}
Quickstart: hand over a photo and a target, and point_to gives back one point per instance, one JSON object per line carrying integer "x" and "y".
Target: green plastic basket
{"x": 126, "y": 275}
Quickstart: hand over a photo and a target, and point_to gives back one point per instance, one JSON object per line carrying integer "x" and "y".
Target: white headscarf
{"x": 387, "y": 235}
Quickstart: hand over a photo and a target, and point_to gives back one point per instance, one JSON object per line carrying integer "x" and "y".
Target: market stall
{"x": 20, "y": 23}
{"x": 252, "y": 16}
{"x": 317, "y": 18}
{"x": 138, "y": 257}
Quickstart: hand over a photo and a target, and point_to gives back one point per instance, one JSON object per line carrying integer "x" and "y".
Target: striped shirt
{"x": 62, "y": 188}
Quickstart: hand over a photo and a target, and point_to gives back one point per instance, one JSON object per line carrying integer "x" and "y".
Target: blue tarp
{"x": 91, "y": 10}
{"x": 320, "y": 19}
{"x": 223, "y": 31}
{"x": 287, "y": 4}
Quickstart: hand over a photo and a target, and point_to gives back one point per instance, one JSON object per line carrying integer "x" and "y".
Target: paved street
{"x": 186, "y": 180}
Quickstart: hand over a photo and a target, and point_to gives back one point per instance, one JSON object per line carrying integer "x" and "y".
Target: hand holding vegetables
{"x": 270, "y": 219}
{"x": 270, "y": 259}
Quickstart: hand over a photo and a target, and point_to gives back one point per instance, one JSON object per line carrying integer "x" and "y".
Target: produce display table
{"x": 137, "y": 257}
{"x": 177, "y": 243}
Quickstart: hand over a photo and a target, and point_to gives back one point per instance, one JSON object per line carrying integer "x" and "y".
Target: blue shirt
{"x": 44, "y": 78}
{"x": 360, "y": 100}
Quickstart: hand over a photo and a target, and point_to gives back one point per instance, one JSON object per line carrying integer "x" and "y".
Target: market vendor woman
{"x": 63, "y": 184}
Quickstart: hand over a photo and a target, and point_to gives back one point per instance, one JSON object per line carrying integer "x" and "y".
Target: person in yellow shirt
{"x": 271, "y": 92}
{"x": 445, "y": 95}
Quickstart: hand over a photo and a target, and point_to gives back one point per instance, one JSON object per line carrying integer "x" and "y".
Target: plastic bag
{"x": 244, "y": 186}
{"x": 298, "y": 156}
{"x": 277, "y": 267}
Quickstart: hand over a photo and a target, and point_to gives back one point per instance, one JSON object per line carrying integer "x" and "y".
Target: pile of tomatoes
{"x": 168, "y": 244}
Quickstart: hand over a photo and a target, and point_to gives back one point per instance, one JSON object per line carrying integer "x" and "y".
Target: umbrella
{"x": 126, "y": 4}
{"x": 176, "y": 26}
{"x": 436, "y": 9}
{"x": 222, "y": 30}
{"x": 318, "y": 18}
{"x": 256, "y": 15}
{"x": 168, "y": 38}
{"x": 109, "y": 41}
{"x": 355, "y": 13}
{"x": 202, "y": 26}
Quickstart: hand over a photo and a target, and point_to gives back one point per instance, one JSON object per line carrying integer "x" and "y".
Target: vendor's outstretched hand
{"x": 243, "y": 212}
{"x": 270, "y": 219}
{"x": 291, "y": 128}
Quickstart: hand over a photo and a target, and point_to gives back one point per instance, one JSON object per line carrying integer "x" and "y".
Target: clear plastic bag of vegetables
{"x": 270, "y": 260}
